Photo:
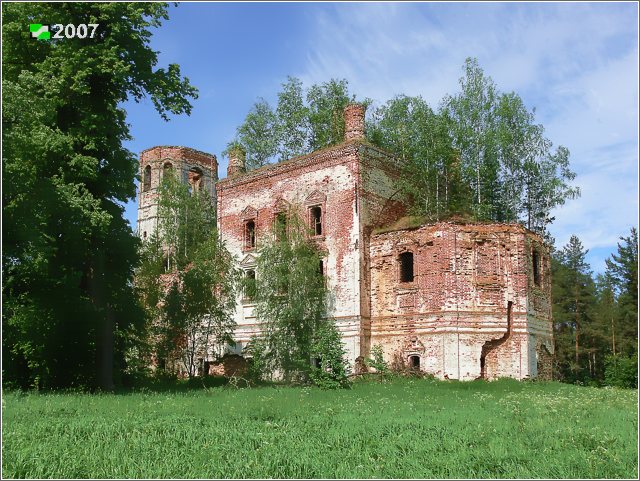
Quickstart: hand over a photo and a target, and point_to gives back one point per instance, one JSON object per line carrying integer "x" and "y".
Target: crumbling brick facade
{"x": 472, "y": 308}
{"x": 459, "y": 301}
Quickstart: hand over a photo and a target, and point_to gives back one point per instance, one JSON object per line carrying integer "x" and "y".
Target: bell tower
{"x": 198, "y": 169}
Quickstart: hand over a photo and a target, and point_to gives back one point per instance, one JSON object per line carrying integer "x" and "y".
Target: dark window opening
{"x": 167, "y": 169}
{"x": 144, "y": 235}
{"x": 406, "y": 267}
{"x": 250, "y": 284}
{"x": 321, "y": 267}
{"x": 281, "y": 226}
{"x": 317, "y": 362}
{"x": 414, "y": 362}
{"x": 536, "y": 268}
{"x": 146, "y": 181}
{"x": 316, "y": 220}
{"x": 250, "y": 234}
{"x": 162, "y": 364}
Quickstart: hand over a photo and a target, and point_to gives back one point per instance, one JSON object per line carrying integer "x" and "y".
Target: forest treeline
{"x": 74, "y": 317}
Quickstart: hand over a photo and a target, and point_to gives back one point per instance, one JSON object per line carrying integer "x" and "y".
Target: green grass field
{"x": 405, "y": 428}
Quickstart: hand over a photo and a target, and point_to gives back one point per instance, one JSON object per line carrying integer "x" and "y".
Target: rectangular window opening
{"x": 250, "y": 284}
{"x": 536, "y": 268}
{"x": 316, "y": 220}
{"x": 250, "y": 234}
{"x": 281, "y": 226}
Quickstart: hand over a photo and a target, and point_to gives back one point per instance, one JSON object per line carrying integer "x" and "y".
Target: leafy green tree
{"x": 258, "y": 135}
{"x": 473, "y": 128}
{"x": 186, "y": 220}
{"x": 303, "y": 121}
{"x": 331, "y": 370}
{"x": 622, "y": 371}
{"x": 68, "y": 253}
{"x": 600, "y": 333}
{"x": 420, "y": 137}
{"x": 292, "y": 304}
{"x": 293, "y": 120}
{"x": 326, "y": 105}
{"x": 480, "y": 154}
{"x": 506, "y": 160}
{"x": 203, "y": 301}
{"x": 377, "y": 362}
{"x": 191, "y": 302}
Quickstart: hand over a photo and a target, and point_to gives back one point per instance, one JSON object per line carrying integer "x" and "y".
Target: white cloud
{"x": 576, "y": 63}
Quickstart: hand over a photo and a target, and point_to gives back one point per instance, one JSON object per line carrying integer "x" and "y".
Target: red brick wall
{"x": 465, "y": 277}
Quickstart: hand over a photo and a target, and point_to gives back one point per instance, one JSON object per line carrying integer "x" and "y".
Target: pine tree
{"x": 622, "y": 272}
{"x": 574, "y": 298}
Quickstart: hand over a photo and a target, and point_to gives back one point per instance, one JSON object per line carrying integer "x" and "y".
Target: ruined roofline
{"x": 409, "y": 223}
{"x": 301, "y": 161}
{"x": 181, "y": 147}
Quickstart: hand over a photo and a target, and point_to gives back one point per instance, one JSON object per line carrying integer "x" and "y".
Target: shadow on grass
{"x": 168, "y": 384}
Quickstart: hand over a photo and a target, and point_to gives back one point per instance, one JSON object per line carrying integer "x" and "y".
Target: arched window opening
{"x": 144, "y": 235}
{"x": 146, "y": 179}
{"x": 406, "y": 267}
{"x": 280, "y": 226}
{"x": 316, "y": 220}
{"x": 167, "y": 169}
{"x": 414, "y": 362}
{"x": 249, "y": 234}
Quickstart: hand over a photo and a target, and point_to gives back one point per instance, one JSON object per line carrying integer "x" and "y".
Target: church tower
{"x": 198, "y": 169}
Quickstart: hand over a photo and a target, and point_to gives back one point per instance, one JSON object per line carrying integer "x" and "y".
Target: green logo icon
{"x": 39, "y": 31}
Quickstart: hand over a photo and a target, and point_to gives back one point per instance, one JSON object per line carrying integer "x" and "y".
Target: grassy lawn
{"x": 399, "y": 429}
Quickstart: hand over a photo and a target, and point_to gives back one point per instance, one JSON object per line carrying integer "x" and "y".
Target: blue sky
{"x": 575, "y": 63}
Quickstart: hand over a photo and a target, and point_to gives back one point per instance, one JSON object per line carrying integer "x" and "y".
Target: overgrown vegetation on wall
{"x": 479, "y": 154}
{"x": 299, "y": 342}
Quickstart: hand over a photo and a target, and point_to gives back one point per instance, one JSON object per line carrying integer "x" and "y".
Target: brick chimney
{"x": 237, "y": 164}
{"x": 354, "y": 121}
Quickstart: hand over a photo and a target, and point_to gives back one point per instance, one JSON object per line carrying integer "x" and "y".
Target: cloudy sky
{"x": 575, "y": 63}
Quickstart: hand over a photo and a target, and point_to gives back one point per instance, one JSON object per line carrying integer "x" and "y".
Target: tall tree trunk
{"x": 105, "y": 332}
{"x": 577, "y": 337}
{"x": 613, "y": 336}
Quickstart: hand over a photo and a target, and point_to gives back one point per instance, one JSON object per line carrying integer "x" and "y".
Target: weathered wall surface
{"x": 351, "y": 183}
{"x": 186, "y": 162}
{"x": 471, "y": 310}
{"x": 378, "y": 203}
{"x": 326, "y": 178}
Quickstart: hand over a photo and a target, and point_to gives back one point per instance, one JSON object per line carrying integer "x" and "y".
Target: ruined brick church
{"x": 456, "y": 300}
